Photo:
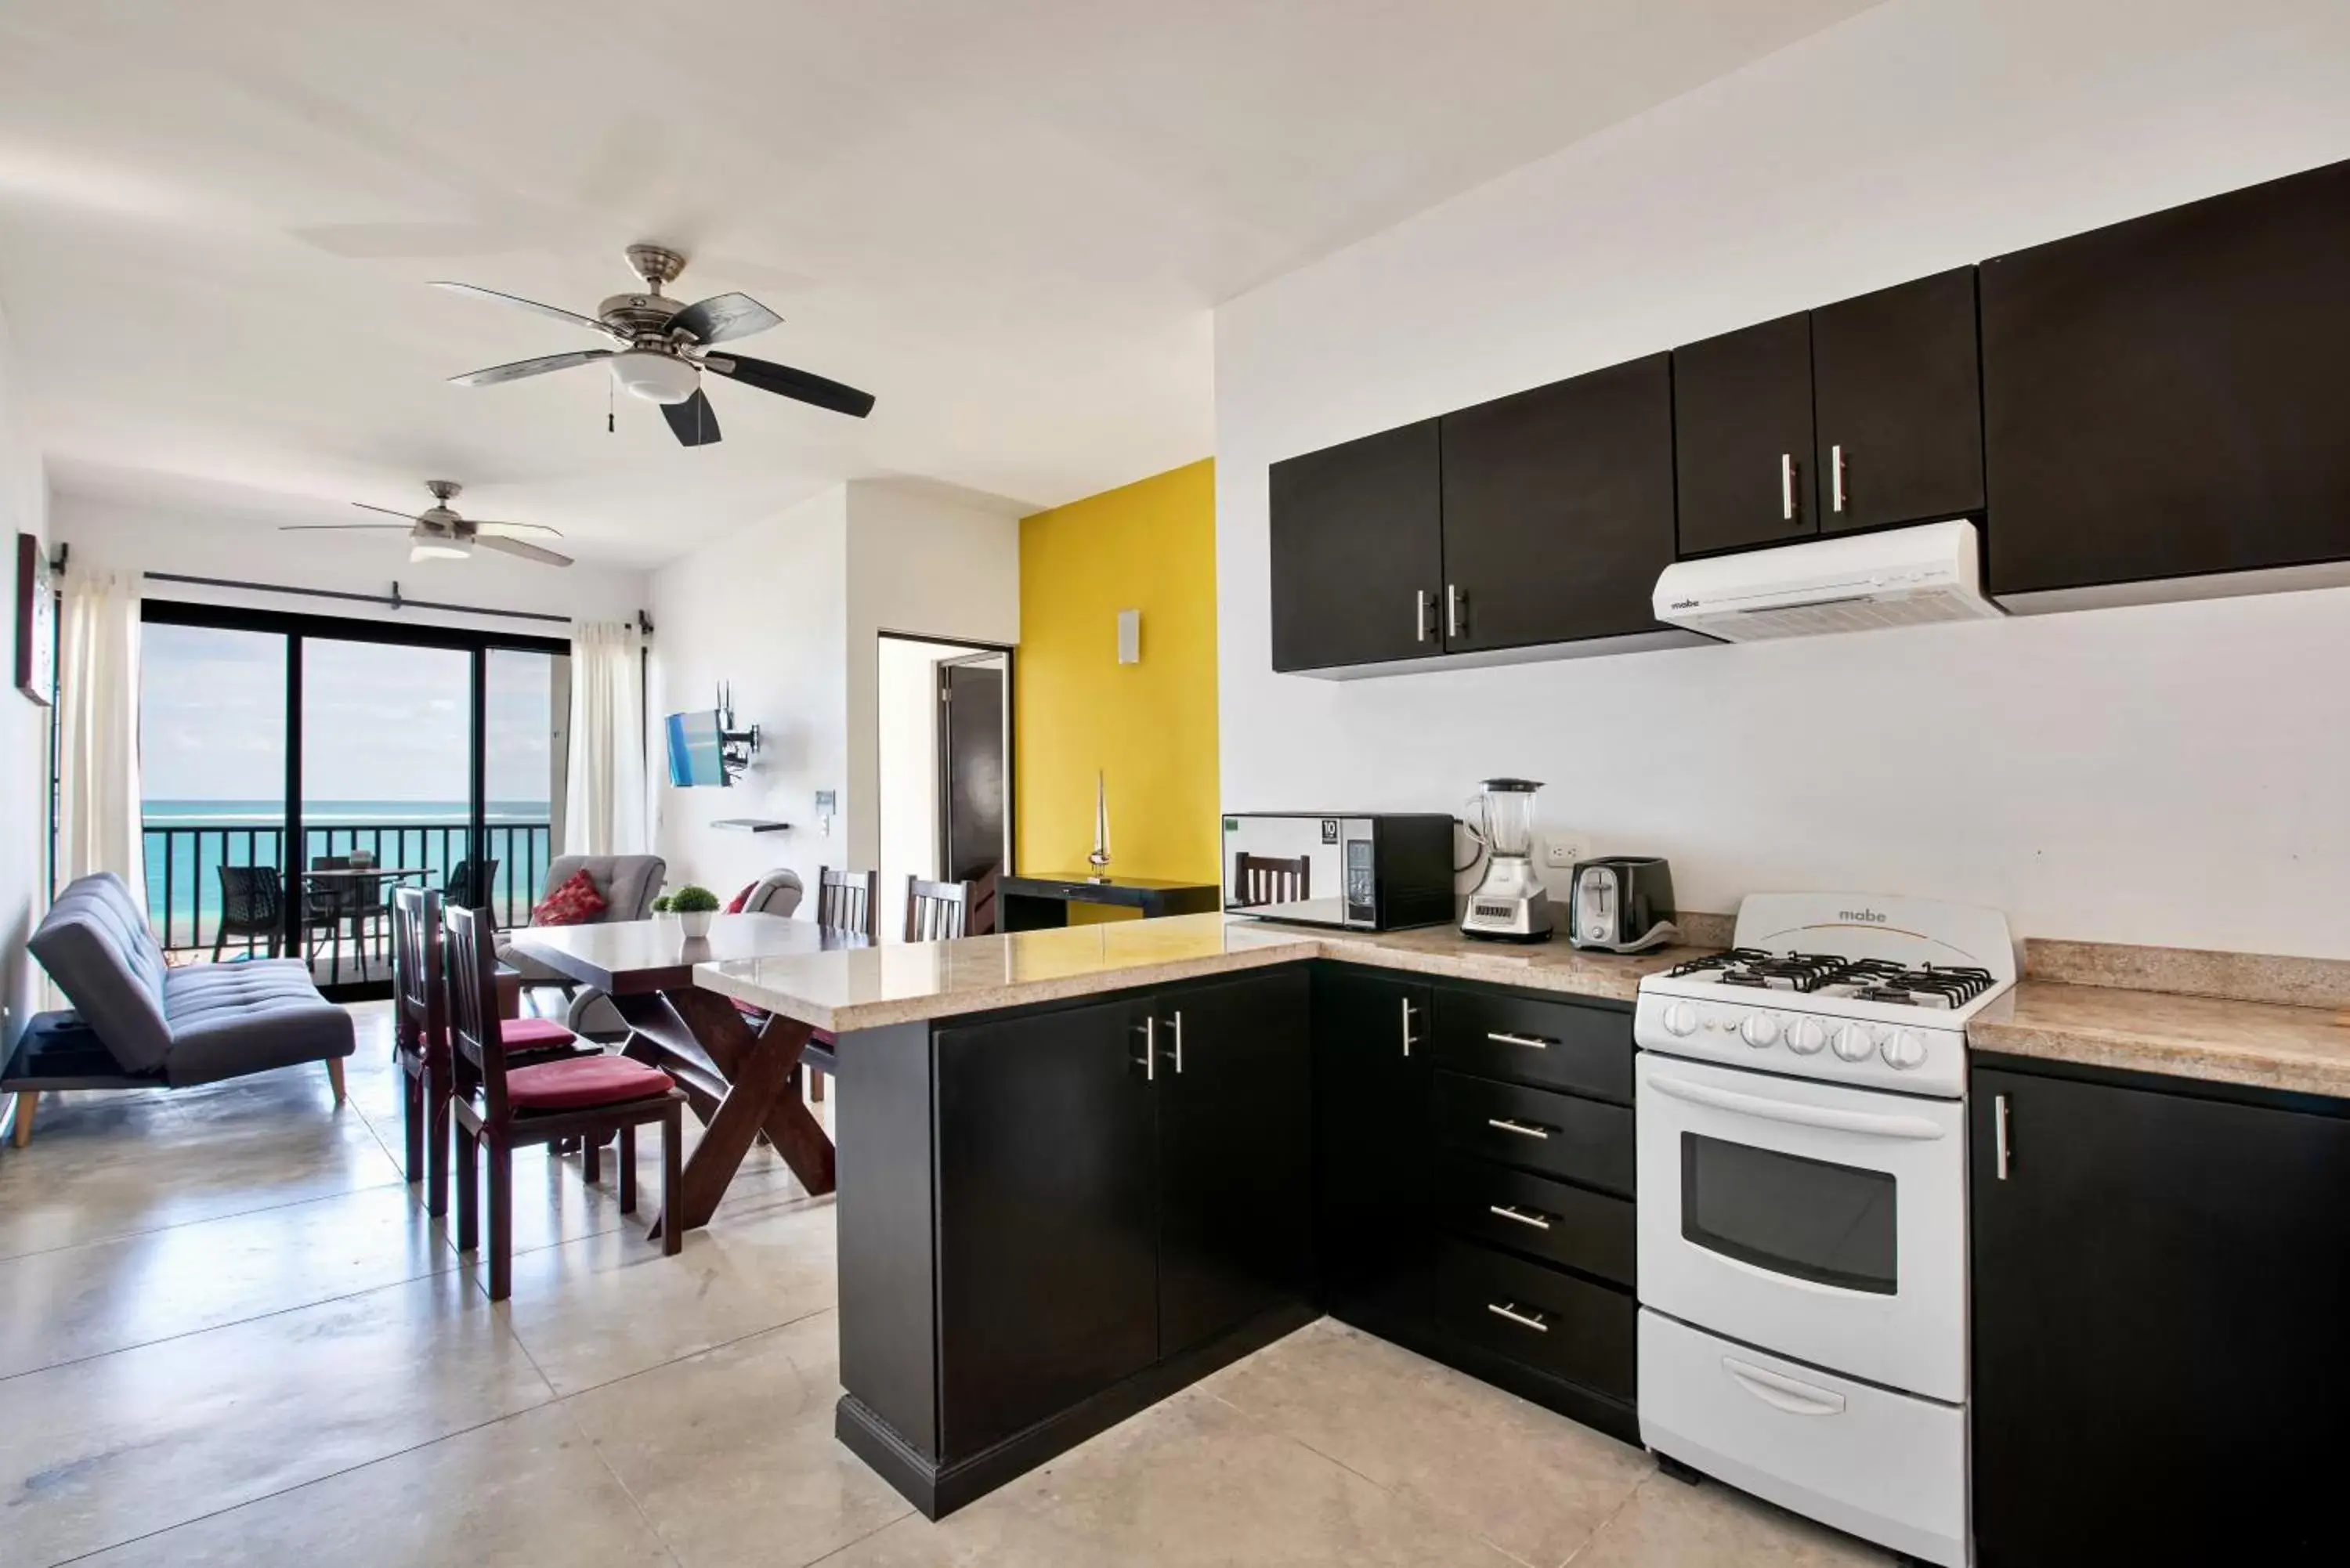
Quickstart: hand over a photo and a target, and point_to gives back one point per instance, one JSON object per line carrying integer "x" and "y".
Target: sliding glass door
{"x": 300, "y": 769}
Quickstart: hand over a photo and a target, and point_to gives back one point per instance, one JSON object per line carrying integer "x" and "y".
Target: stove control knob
{"x": 1760, "y": 1030}
{"x": 1854, "y": 1042}
{"x": 1805, "y": 1037}
{"x": 1680, "y": 1018}
{"x": 1905, "y": 1050}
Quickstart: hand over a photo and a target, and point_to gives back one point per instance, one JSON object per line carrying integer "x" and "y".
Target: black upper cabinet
{"x": 1558, "y": 509}
{"x": 1357, "y": 558}
{"x": 1235, "y": 1131}
{"x": 2160, "y": 1283}
{"x": 1742, "y": 437}
{"x": 1375, "y": 1175}
{"x": 1048, "y": 1269}
{"x": 1896, "y": 386}
{"x": 2167, "y": 397}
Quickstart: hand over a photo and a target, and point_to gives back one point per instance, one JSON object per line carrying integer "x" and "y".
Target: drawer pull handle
{"x": 1531, "y": 1042}
{"x": 1522, "y": 1319}
{"x": 1523, "y": 1216}
{"x": 1782, "y": 1392}
{"x": 1524, "y": 1129}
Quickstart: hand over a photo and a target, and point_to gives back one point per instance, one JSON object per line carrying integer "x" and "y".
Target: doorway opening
{"x": 945, "y": 773}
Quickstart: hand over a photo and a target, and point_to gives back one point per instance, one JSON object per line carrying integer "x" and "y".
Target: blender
{"x": 1509, "y": 903}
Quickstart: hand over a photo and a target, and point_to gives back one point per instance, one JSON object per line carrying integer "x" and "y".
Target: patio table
{"x": 741, "y": 1074}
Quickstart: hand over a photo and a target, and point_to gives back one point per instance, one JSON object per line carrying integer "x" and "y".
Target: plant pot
{"x": 694, "y": 923}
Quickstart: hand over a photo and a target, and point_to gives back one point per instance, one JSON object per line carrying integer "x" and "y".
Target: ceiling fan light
{"x": 440, "y": 550}
{"x": 654, "y": 377}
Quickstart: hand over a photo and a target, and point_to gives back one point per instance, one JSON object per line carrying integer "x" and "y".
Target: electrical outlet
{"x": 1560, "y": 852}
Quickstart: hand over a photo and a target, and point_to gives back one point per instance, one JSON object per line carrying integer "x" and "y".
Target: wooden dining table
{"x": 741, "y": 1073}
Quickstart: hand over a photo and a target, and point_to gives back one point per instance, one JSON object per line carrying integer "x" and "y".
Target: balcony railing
{"x": 183, "y": 862}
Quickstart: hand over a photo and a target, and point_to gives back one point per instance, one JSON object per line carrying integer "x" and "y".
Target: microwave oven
{"x": 1374, "y": 871}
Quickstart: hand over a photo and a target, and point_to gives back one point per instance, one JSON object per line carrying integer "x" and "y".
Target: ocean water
{"x": 188, "y": 841}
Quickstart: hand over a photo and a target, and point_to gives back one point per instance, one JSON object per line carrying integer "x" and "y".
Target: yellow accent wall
{"x": 1149, "y": 727}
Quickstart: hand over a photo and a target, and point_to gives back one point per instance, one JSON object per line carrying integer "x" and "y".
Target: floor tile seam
{"x": 552, "y": 1398}
{"x": 1612, "y": 1515}
{"x": 197, "y": 1219}
{"x": 672, "y": 1361}
{"x": 652, "y": 1526}
{"x": 1405, "y": 1497}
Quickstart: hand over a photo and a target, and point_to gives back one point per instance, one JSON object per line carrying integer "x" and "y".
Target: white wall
{"x": 927, "y": 565}
{"x": 23, "y": 724}
{"x": 2176, "y": 773}
{"x": 765, "y": 609}
{"x": 119, "y": 536}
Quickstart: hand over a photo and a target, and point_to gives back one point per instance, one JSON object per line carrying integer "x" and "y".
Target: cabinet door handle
{"x": 1999, "y": 1118}
{"x": 1419, "y": 616}
{"x": 1835, "y": 477}
{"x": 1524, "y": 1129}
{"x": 1532, "y": 1320}
{"x": 1408, "y": 1041}
{"x": 1531, "y": 1042}
{"x": 1456, "y": 604}
{"x": 1787, "y": 485}
{"x": 1175, "y": 1027}
{"x": 1527, "y": 1217}
{"x": 1150, "y": 1050}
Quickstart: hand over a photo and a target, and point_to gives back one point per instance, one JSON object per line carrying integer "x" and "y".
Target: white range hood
{"x": 1857, "y": 582}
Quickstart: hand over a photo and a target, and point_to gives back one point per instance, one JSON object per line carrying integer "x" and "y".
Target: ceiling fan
{"x": 437, "y": 533}
{"x": 664, "y": 346}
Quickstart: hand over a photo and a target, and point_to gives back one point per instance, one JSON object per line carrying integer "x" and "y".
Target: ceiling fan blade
{"x": 693, "y": 420}
{"x": 516, "y": 547}
{"x": 514, "y": 530}
{"x": 387, "y": 510}
{"x": 724, "y": 316}
{"x": 785, "y": 381}
{"x": 555, "y": 311}
{"x": 346, "y": 527}
{"x": 538, "y": 367}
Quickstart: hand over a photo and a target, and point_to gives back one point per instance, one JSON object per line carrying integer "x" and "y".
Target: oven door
{"x": 1821, "y": 1222}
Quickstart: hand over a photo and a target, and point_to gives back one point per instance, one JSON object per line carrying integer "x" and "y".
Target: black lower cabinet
{"x": 1234, "y": 1100}
{"x": 1374, "y": 1171}
{"x": 2161, "y": 1318}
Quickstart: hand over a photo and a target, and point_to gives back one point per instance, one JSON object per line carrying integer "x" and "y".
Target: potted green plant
{"x": 661, "y": 905}
{"x": 694, "y": 905}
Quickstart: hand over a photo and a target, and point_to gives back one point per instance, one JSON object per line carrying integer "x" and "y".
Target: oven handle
{"x": 1784, "y": 1393}
{"x": 1872, "y": 1124}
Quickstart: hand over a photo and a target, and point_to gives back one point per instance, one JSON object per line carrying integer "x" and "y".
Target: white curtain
{"x": 604, "y": 793}
{"x": 97, "y": 698}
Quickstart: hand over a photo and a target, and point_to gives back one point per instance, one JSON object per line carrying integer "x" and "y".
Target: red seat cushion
{"x": 575, "y": 903}
{"x": 581, "y": 1082}
{"x": 534, "y": 1033}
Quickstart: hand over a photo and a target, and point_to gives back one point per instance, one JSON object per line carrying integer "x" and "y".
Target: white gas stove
{"x": 1869, "y": 990}
{"x": 1800, "y": 1110}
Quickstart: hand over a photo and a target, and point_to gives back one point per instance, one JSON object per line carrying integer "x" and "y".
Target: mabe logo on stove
{"x": 1866, "y": 917}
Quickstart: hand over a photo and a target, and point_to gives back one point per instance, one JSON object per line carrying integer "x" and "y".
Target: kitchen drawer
{"x": 1548, "y": 1219}
{"x": 1556, "y": 1322}
{"x": 1559, "y": 1045}
{"x": 1555, "y": 1135}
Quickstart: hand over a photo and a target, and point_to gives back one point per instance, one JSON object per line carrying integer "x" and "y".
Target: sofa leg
{"x": 26, "y": 1100}
{"x": 335, "y": 1076}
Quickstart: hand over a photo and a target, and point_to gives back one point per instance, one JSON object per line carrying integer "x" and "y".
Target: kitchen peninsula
{"x": 1080, "y": 1168}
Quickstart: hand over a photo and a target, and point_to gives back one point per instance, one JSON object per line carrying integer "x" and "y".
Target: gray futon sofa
{"x": 137, "y": 1022}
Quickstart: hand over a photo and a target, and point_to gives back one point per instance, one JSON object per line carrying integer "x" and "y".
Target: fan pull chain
{"x": 610, "y": 427}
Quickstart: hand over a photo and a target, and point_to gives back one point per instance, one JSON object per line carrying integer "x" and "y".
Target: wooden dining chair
{"x": 1270, "y": 880}
{"x": 420, "y": 1040}
{"x": 936, "y": 911}
{"x": 498, "y": 1108}
{"x": 850, "y": 902}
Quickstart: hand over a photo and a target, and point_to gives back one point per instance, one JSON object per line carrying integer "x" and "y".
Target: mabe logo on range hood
{"x": 1859, "y": 582}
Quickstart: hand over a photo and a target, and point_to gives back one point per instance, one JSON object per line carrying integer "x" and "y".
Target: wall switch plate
{"x": 1560, "y": 853}
{"x": 824, "y": 806}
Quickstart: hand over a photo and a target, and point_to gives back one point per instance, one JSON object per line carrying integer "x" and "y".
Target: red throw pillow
{"x": 575, "y": 903}
{"x": 735, "y": 905}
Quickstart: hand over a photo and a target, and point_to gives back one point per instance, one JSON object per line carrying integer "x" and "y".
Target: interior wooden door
{"x": 974, "y": 777}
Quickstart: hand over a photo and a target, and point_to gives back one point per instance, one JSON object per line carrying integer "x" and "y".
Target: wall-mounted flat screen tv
{"x": 696, "y": 749}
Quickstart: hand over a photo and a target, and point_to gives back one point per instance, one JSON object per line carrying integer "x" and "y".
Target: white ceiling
{"x": 1009, "y": 220}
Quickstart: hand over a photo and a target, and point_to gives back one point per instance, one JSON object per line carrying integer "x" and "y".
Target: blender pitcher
{"x": 1510, "y": 903}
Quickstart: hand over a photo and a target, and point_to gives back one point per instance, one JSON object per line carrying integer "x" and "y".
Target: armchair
{"x": 628, "y": 883}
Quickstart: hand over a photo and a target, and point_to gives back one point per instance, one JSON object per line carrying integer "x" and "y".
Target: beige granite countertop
{"x": 865, "y": 987}
{"x": 2222, "y": 1039}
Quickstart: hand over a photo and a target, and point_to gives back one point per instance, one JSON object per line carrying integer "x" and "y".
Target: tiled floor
{"x": 228, "y": 1334}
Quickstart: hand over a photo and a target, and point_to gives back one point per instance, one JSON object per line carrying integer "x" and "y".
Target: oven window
{"x": 1832, "y": 1224}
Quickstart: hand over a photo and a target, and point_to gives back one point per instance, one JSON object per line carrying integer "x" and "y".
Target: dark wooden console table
{"x": 1039, "y": 903}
